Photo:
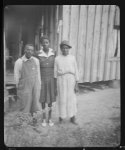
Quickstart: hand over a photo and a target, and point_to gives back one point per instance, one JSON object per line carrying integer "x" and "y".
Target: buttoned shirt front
{"x": 18, "y": 68}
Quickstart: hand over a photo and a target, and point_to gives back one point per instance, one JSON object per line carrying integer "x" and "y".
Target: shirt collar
{"x": 42, "y": 53}
{"x": 25, "y": 59}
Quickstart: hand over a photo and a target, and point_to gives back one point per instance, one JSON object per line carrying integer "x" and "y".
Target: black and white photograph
{"x": 62, "y": 76}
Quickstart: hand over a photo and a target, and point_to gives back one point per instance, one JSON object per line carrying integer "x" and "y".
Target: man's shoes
{"x": 44, "y": 123}
{"x": 73, "y": 120}
{"x": 51, "y": 123}
{"x": 60, "y": 120}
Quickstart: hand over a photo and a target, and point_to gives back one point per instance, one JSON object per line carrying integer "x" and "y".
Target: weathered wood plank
{"x": 118, "y": 70}
{"x": 74, "y": 28}
{"x": 90, "y": 28}
{"x": 113, "y": 63}
{"x": 46, "y": 21}
{"x": 96, "y": 40}
{"x": 81, "y": 41}
{"x": 109, "y": 45}
{"x": 56, "y": 30}
{"x": 51, "y": 27}
{"x": 59, "y": 35}
{"x": 103, "y": 38}
{"x": 66, "y": 20}
{"x": 118, "y": 43}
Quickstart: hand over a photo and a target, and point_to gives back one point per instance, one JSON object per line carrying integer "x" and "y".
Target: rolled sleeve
{"x": 17, "y": 69}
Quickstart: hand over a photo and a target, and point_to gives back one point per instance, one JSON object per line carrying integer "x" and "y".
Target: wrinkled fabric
{"x": 66, "y": 72}
{"x": 47, "y": 77}
{"x": 29, "y": 87}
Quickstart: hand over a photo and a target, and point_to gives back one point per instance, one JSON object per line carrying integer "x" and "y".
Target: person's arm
{"x": 38, "y": 70}
{"x": 55, "y": 76}
{"x": 17, "y": 69}
{"x": 76, "y": 76}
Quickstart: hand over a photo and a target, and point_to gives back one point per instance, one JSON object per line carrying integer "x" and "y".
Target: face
{"x": 65, "y": 50}
{"x": 29, "y": 51}
{"x": 45, "y": 44}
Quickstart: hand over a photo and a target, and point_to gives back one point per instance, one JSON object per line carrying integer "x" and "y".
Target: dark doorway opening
{"x": 25, "y": 24}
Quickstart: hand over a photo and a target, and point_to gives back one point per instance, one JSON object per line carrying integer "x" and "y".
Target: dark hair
{"x": 28, "y": 45}
{"x": 44, "y": 37}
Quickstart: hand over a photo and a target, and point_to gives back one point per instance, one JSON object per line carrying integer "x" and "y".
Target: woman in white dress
{"x": 66, "y": 73}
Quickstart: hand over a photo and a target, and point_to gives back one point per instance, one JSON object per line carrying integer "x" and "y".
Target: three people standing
{"x": 40, "y": 80}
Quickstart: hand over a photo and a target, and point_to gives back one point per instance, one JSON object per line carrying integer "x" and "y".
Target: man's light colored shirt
{"x": 18, "y": 68}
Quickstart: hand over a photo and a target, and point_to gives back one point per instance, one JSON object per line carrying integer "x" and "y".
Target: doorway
{"x": 26, "y": 24}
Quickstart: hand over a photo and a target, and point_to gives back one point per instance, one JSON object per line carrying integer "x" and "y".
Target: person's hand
{"x": 60, "y": 72}
{"x": 76, "y": 89}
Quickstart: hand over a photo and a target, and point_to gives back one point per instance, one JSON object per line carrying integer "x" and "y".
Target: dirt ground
{"x": 98, "y": 121}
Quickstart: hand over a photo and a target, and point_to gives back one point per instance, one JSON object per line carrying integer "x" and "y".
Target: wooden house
{"x": 92, "y": 30}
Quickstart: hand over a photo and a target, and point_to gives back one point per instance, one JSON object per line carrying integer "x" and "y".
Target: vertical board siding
{"x": 109, "y": 45}
{"x": 59, "y": 36}
{"x": 96, "y": 40}
{"x": 118, "y": 62}
{"x": 90, "y": 30}
{"x": 103, "y": 41}
{"x": 66, "y": 21}
{"x": 46, "y": 21}
{"x": 74, "y": 28}
{"x": 51, "y": 27}
{"x": 113, "y": 63}
{"x": 118, "y": 71}
{"x": 118, "y": 44}
{"x": 81, "y": 41}
{"x": 89, "y": 42}
{"x": 56, "y": 30}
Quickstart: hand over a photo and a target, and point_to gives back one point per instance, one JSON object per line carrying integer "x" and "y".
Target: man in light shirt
{"x": 28, "y": 80}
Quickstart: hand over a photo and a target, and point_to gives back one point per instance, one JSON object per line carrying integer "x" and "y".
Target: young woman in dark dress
{"x": 47, "y": 58}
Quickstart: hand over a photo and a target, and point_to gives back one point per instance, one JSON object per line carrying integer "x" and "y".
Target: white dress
{"x": 66, "y": 72}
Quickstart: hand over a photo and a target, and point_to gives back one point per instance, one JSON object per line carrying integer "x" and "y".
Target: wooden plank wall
{"x": 90, "y": 31}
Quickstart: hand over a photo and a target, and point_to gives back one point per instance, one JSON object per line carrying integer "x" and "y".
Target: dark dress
{"x": 47, "y": 79}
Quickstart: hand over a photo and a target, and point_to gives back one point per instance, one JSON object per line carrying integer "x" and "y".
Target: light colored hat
{"x": 65, "y": 43}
